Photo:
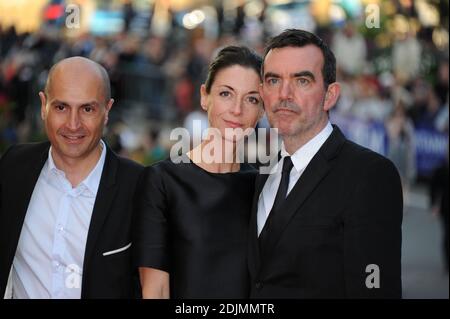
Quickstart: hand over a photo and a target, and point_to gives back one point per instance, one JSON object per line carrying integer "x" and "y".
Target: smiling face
{"x": 74, "y": 110}
{"x": 295, "y": 98}
{"x": 233, "y": 101}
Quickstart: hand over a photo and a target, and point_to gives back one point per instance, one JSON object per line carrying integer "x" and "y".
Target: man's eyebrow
{"x": 304, "y": 73}
{"x": 91, "y": 103}
{"x": 271, "y": 75}
{"x": 59, "y": 102}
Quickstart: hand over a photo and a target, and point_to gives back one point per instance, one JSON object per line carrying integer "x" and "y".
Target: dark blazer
{"x": 110, "y": 276}
{"x": 343, "y": 214}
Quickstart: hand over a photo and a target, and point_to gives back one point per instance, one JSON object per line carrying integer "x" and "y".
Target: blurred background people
{"x": 156, "y": 53}
{"x": 401, "y": 146}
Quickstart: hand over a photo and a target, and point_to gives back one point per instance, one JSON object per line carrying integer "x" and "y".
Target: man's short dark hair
{"x": 301, "y": 38}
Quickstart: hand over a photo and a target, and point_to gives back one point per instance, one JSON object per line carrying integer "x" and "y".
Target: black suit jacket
{"x": 343, "y": 214}
{"x": 110, "y": 276}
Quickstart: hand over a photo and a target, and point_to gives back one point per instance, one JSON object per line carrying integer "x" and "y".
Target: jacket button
{"x": 258, "y": 285}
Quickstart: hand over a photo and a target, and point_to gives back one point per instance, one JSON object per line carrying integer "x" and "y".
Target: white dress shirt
{"x": 300, "y": 159}
{"x": 49, "y": 258}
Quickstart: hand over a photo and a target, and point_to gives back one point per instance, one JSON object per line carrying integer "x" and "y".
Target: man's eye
{"x": 88, "y": 109}
{"x": 303, "y": 81}
{"x": 272, "y": 81}
{"x": 60, "y": 107}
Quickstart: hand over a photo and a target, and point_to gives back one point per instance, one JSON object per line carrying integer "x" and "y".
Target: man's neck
{"x": 77, "y": 169}
{"x": 295, "y": 142}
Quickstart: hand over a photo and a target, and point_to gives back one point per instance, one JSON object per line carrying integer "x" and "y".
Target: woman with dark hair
{"x": 192, "y": 223}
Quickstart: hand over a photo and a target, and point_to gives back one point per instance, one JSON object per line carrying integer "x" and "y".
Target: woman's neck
{"x": 216, "y": 156}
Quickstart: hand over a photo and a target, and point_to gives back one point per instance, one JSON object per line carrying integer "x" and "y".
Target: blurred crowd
{"x": 156, "y": 79}
{"x": 404, "y": 96}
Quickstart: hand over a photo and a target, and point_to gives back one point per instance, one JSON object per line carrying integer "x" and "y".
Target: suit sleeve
{"x": 2, "y": 169}
{"x": 1, "y": 182}
{"x": 372, "y": 234}
{"x": 150, "y": 229}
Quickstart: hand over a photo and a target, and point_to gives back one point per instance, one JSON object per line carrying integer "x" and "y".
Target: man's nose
{"x": 73, "y": 122}
{"x": 286, "y": 90}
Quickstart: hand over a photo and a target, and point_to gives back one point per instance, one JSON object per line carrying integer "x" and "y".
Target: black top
{"x": 193, "y": 224}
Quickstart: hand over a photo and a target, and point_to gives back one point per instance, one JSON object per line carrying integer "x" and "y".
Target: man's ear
{"x": 261, "y": 112}
{"x": 108, "y": 108}
{"x": 203, "y": 97}
{"x": 43, "y": 105}
{"x": 331, "y": 96}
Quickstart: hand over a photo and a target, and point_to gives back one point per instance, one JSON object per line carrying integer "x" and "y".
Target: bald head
{"x": 75, "y": 109}
{"x": 80, "y": 69}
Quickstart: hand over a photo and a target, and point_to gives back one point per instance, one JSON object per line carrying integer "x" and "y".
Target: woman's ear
{"x": 203, "y": 97}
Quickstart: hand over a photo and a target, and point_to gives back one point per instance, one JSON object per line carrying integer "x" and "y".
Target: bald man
{"x": 66, "y": 204}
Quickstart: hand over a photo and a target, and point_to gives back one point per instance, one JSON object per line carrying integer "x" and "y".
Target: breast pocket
{"x": 121, "y": 250}
{"x": 117, "y": 262}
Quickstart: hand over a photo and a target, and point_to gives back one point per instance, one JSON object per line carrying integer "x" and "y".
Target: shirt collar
{"x": 92, "y": 181}
{"x": 304, "y": 154}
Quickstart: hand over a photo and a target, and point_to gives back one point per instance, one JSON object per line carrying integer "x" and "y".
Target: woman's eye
{"x": 253, "y": 100}
{"x": 225, "y": 93}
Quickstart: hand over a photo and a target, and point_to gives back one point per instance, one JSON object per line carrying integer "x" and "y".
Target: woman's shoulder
{"x": 162, "y": 174}
{"x": 167, "y": 165}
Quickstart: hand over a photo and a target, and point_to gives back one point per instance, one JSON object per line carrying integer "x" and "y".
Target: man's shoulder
{"x": 25, "y": 150}
{"x": 360, "y": 152}
{"x": 358, "y": 156}
{"x": 126, "y": 164}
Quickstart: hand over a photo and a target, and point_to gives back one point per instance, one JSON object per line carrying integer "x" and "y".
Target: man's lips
{"x": 285, "y": 111}
{"x": 73, "y": 138}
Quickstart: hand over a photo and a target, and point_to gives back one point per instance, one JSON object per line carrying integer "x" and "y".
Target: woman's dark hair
{"x": 229, "y": 56}
{"x": 301, "y": 38}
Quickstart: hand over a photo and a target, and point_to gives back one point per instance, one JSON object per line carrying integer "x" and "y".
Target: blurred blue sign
{"x": 106, "y": 22}
{"x": 431, "y": 145}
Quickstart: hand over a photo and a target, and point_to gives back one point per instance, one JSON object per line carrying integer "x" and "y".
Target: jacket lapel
{"x": 316, "y": 170}
{"x": 102, "y": 207}
{"x": 254, "y": 253}
{"x": 314, "y": 173}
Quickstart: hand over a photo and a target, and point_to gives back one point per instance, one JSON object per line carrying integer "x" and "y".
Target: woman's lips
{"x": 233, "y": 124}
